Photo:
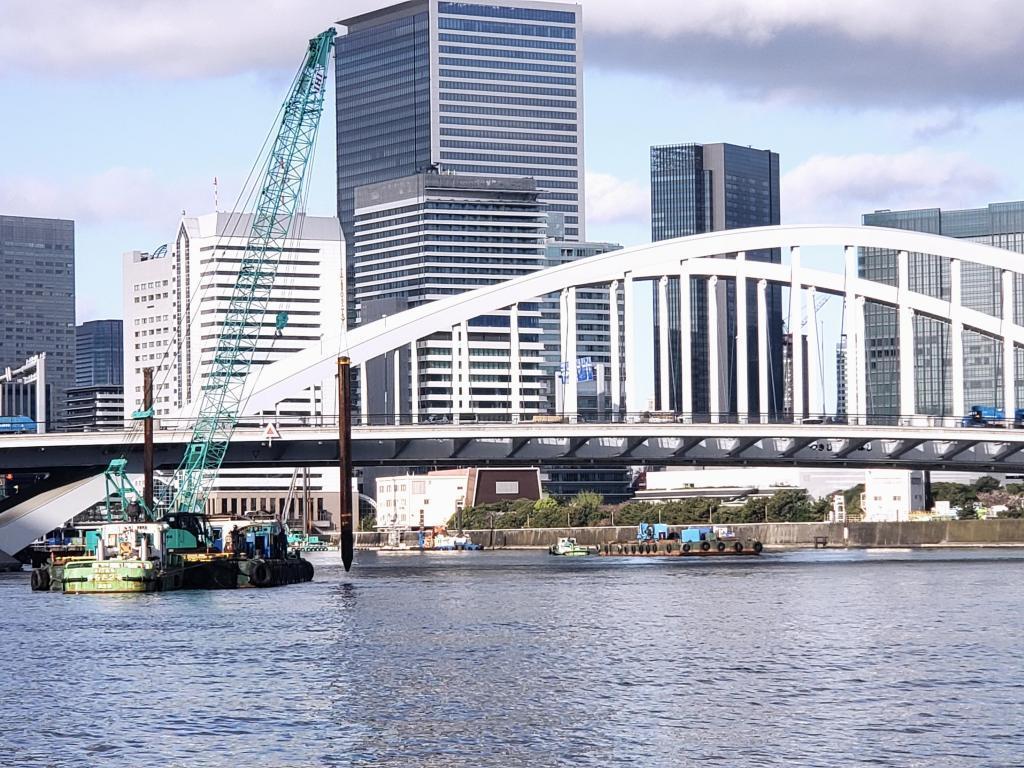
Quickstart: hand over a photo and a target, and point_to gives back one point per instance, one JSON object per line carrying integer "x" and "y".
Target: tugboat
{"x": 126, "y": 557}
{"x": 447, "y": 542}
{"x": 568, "y": 547}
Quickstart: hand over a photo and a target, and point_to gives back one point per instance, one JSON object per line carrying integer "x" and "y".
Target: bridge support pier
{"x": 1009, "y": 352}
{"x": 515, "y": 369}
{"x": 714, "y": 381}
{"x": 796, "y": 334}
{"x": 742, "y": 357}
{"x": 816, "y": 407}
{"x": 616, "y": 350}
{"x": 570, "y": 396}
{"x": 633, "y": 405}
{"x": 908, "y": 406}
{"x": 685, "y": 345}
{"x": 665, "y": 369}
{"x": 956, "y": 337}
{"x": 762, "y": 350}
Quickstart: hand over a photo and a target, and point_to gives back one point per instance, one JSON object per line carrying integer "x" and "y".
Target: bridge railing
{"x": 442, "y": 419}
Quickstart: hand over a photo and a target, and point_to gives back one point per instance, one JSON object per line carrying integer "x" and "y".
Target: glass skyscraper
{"x": 998, "y": 224}
{"x": 37, "y": 298}
{"x": 99, "y": 354}
{"x": 478, "y": 89}
{"x": 698, "y": 188}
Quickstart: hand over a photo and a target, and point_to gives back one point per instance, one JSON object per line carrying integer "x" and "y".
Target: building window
{"x": 506, "y": 487}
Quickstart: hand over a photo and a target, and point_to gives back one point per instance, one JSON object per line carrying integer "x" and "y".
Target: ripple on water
{"x": 520, "y": 659}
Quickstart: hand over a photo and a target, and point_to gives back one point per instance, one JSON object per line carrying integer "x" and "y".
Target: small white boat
{"x": 568, "y": 547}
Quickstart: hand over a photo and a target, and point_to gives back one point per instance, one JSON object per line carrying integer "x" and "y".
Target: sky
{"x": 119, "y": 115}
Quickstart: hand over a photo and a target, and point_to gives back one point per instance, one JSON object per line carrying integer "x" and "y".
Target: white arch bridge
{"x": 708, "y": 269}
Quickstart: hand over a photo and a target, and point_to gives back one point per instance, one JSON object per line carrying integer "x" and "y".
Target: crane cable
{"x": 192, "y": 310}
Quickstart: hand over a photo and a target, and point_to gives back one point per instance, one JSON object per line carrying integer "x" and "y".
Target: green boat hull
{"x": 116, "y": 576}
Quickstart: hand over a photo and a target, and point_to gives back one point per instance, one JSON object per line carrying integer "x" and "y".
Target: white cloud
{"x": 185, "y": 38}
{"x": 611, "y": 200}
{"x": 939, "y": 24}
{"x": 944, "y": 123}
{"x": 906, "y": 53}
{"x": 837, "y": 189}
{"x": 919, "y": 51}
{"x": 114, "y": 195}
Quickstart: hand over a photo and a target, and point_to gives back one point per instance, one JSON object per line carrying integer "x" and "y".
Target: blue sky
{"x": 122, "y": 120}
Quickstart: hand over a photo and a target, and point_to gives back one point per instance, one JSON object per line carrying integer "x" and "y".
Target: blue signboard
{"x": 585, "y": 369}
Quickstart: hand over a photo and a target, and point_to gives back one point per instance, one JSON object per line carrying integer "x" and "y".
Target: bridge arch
{"x": 701, "y": 256}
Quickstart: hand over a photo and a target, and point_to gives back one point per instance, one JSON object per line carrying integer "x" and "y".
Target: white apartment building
{"x": 150, "y": 295}
{"x": 175, "y": 303}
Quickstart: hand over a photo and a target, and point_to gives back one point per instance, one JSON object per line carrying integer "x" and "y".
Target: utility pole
{"x": 345, "y": 459}
{"x": 147, "y": 440}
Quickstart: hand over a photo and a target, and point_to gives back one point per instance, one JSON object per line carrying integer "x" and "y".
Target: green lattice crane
{"x": 281, "y": 193}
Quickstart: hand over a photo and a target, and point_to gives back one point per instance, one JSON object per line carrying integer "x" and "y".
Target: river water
{"x": 806, "y": 658}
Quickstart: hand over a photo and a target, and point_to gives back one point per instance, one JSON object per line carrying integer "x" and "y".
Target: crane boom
{"x": 281, "y": 193}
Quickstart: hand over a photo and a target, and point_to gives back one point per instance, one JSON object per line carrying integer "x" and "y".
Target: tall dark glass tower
{"x": 699, "y": 188}
{"x": 37, "y": 298}
{"x": 99, "y": 353}
{"x": 489, "y": 89}
{"x": 998, "y": 224}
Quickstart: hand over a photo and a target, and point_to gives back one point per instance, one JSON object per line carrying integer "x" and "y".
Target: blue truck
{"x": 989, "y": 416}
{"x": 651, "y": 531}
{"x": 16, "y": 425}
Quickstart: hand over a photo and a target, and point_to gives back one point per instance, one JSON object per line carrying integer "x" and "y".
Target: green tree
{"x": 585, "y": 508}
{"x": 547, "y": 513}
{"x": 793, "y": 506}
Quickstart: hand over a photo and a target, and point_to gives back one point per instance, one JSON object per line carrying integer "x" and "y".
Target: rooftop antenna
{"x": 216, "y": 203}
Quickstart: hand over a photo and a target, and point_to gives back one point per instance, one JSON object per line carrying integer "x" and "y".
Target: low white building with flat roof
{"x": 892, "y": 495}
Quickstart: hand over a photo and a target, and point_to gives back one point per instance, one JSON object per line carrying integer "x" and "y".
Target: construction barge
{"x": 655, "y": 540}
{"x": 173, "y": 554}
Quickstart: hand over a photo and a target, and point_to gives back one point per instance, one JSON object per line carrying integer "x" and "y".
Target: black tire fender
{"x": 40, "y": 580}
{"x": 721, "y": 546}
{"x": 704, "y": 546}
{"x": 686, "y": 546}
{"x": 259, "y": 574}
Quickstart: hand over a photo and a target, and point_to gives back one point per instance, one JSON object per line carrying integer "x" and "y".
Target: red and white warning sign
{"x": 271, "y": 433}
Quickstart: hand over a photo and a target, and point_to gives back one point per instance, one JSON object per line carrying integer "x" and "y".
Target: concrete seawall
{"x": 917, "y": 534}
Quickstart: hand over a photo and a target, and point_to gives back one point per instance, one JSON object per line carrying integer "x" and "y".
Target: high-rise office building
{"x": 99, "y": 353}
{"x": 998, "y": 224}
{"x": 37, "y": 299}
{"x": 97, "y": 399}
{"x": 698, "y": 188}
{"x": 433, "y": 235}
{"x": 489, "y": 89}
